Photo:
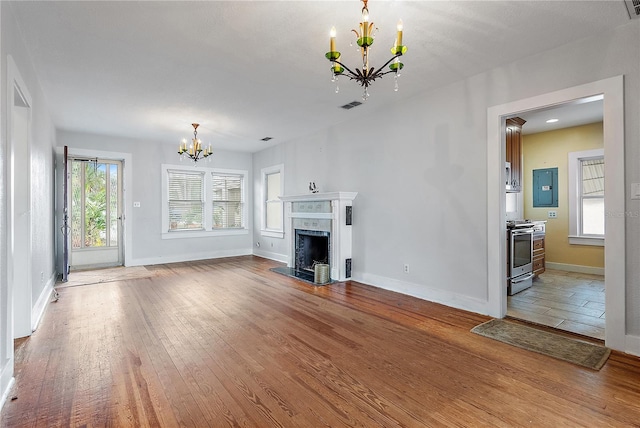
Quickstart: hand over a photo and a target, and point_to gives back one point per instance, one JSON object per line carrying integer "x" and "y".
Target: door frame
{"x": 125, "y": 158}
{"x": 20, "y": 298}
{"x": 613, "y": 117}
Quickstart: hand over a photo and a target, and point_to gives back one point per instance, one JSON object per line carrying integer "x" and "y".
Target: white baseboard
{"x": 424, "y": 292}
{"x": 191, "y": 257}
{"x": 283, "y": 258}
{"x": 8, "y": 379}
{"x": 575, "y": 268}
{"x": 632, "y": 345}
{"x": 42, "y": 302}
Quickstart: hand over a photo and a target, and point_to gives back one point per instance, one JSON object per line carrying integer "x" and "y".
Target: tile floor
{"x": 567, "y": 301}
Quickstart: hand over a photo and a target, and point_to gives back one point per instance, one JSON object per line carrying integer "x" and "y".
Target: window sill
{"x": 272, "y": 233}
{"x": 586, "y": 240}
{"x": 204, "y": 233}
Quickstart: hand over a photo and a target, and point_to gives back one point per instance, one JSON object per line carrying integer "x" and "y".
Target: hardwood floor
{"x": 228, "y": 343}
{"x": 567, "y": 301}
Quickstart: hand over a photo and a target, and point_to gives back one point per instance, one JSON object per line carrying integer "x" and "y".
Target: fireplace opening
{"x": 312, "y": 247}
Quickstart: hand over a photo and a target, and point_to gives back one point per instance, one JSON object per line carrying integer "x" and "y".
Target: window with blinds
{"x": 228, "y": 201}
{"x": 592, "y": 196}
{"x": 186, "y": 204}
{"x": 273, "y": 205}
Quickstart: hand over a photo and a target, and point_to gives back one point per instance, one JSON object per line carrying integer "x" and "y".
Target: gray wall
{"x": 42, "y": 138}
{"x": 144, "y": 186}
{"x": 422, "y": 183}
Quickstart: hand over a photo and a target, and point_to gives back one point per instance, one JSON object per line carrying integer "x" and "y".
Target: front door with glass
{"x": 96, "y": 213}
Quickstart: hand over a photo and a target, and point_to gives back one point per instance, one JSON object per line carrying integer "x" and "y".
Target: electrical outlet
{"x": 406, "y": 268}
{"x": 552, "y": 214}
{"x": 136, "y": 205}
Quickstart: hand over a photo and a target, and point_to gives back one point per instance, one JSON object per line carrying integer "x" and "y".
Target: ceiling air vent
{"x": 633, "y": 7}
{"x": 353, "y": 104}
{"x": 266, "y": 139}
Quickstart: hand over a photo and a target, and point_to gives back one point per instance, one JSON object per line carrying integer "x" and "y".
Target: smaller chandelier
{"x": 195, "y": 152}
{"x": 364, "y": 39}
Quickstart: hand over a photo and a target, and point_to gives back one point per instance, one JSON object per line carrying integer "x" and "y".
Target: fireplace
{"x": 312, "y": 247}
{"x": 320, "y": 224}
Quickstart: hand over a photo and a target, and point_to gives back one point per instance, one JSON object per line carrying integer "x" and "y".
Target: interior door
{"x": 96, "y": 213}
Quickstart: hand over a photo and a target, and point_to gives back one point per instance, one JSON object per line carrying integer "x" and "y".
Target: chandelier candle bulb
{"x": 365, "y": 22}
{"x": 399, "y": 39}
{"x": 332, "y": 43}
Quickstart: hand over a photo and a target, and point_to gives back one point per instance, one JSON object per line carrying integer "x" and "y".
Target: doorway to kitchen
{"x": 562, "y": 190}
{"x": 613, "y": 116}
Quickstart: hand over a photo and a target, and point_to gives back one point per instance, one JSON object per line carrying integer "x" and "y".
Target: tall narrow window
{"x": 228, "y": 201}
{"x": 586, "y": 197}
{"x": 272, "y": 212}
{"x": 186, "y": 203}
{"x": 592, "y": 196}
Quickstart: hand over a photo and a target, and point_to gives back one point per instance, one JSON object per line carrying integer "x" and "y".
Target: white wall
{"x": 143, "y": 184}
{"x": 422, "y": 185}
{"x": 42, "y": 140}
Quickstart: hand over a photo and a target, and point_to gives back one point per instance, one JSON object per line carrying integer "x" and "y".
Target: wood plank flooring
{"x": 567, "y": 301}
{"x": 228, "y": 343}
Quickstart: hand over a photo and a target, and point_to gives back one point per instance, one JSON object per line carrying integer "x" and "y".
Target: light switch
{"x": 136, "y": 205}
{"x": 635, "y": 190}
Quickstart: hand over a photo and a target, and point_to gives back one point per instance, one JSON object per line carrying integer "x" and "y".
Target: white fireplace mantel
{"x": 335, "y": 219}
{"x": 329, "y": 196}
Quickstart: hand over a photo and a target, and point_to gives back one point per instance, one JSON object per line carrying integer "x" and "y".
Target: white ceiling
{"x": 250, "y": 69}
{"x": 575, "y": 113}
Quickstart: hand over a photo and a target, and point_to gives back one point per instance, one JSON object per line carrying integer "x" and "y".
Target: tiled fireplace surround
{"x": 319, "y": 214}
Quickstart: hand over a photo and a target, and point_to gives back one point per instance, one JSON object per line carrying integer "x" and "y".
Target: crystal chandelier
{"x": 364, "y": 39}
{"x": 195, "y": 152}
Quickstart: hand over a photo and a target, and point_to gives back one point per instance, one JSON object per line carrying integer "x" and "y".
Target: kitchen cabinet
{"x": 538, "y": 253}
{"x": 514, "y": 153}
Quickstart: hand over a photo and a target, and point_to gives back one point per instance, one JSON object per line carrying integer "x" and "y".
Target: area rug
{"x": 554, "y": 345}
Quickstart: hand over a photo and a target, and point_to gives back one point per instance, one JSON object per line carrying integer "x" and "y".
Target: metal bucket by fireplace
{"x": 321, "y": 273}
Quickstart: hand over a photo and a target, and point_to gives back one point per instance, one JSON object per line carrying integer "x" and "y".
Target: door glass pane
{"x": 593, "y": 216}
{"x": 76, "y": 204}
{"x": 113, "y": 205}
{"x": 95, "y": 214}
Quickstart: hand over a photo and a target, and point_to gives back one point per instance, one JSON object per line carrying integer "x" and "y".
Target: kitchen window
{"x": 273, "y": 208}
{"x": 586, "y": 197}
{"x": 200, "y": 202}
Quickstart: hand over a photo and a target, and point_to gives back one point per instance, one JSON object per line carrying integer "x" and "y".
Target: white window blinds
{"x": 273, "y": 212}
{"x": 592, "y": 196}
{"x": 186, "y": 203}
{"x": 228, "y": 201}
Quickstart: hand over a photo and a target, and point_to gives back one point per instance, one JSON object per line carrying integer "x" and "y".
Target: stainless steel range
{"x": 520, "y": 255}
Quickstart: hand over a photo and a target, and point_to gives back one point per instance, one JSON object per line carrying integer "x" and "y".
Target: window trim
{"x": 208, "y": 230}
{"x": 576, "y": 237}
{"x": 264, "y": 172}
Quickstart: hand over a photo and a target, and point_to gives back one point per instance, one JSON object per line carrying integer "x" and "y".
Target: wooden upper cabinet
{"x": 514, "y": 153}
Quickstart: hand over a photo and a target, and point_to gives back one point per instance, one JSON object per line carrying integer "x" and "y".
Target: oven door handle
{"x": 528, "y": 277}
{"x": 522, "y": 231}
